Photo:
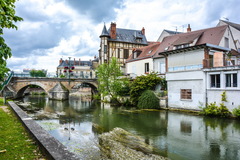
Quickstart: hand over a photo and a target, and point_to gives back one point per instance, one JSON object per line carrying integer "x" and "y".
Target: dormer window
{"x": 139, "y": 40}
{"x": 182, "y": 46}
{"x": 150, "y": 52}
{"x": 136, "y": 54}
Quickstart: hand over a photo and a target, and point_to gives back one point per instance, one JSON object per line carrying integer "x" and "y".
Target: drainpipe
{"x": 206, "y": 84}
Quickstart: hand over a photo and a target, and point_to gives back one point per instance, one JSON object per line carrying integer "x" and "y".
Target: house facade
{"x": 117, "y": 42}
{"x": 140, "y": 62}
{"x": 196, "y": 62}
{"x": 77, "y": 68}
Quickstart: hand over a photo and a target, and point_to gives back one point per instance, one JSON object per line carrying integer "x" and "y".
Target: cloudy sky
{"x": 54, "y": 29}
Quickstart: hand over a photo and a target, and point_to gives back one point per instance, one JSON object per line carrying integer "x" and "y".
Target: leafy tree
{"x": 37, "y": 73}
{"x": 7, "y": 20}
{"x": 110, "y": 81}
{"x": 145, "y": 82}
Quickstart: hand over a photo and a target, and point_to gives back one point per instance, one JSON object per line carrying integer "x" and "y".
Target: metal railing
{"x": 6, "y": 81}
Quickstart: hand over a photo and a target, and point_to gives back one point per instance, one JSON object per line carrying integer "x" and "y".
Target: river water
{"x": 179, "y": 136}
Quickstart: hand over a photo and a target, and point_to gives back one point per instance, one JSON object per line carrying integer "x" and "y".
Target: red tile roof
{"x": 145, "y": 52}
{"x": 209, "y": 35}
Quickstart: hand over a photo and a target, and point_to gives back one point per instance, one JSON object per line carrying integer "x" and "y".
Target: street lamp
{"x": 69, "y": 69}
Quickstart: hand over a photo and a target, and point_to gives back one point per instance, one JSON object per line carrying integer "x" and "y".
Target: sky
{"x": 54, "y": 29}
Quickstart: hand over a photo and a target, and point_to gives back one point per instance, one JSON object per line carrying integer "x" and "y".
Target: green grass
{"x": 14, "y": 140}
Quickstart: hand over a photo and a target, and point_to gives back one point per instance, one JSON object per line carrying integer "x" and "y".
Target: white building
{"x": 140, "y": 62}
{"x": 196, "y": 62}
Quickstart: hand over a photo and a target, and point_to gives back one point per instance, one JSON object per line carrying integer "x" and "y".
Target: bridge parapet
{"x": 19, "y": 84}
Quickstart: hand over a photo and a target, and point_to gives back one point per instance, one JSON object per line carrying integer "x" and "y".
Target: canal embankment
{"x": 51, "y": 147}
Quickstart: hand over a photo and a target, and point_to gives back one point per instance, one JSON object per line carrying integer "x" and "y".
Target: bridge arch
{"x": 93, "y": 86}
{"x": 23, "y": 88}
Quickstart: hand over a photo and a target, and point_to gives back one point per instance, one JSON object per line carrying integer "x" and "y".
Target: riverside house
{"x": 118, "y": 42}
{"x": 200, "y": 65}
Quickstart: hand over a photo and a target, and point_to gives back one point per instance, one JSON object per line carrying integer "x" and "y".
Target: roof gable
{"x": 145, "y": 52}
{"x": 234, "y": 25}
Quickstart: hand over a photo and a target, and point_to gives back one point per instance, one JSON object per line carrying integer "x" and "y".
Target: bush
{"x": 145, "y": 82}
{"x": 148, "y": 100}
{"x": 236, "y": 112}
{"x": 213, "y": 110}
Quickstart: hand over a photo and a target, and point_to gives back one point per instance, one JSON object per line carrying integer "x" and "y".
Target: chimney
{"x": 66, "y": 61}
{"x": 188, "y": 29}
{"x": 143, "y": 31}
{"x": 60, "y": 61}
{"x": 113, "y": 30}
{"x": 74, "y": 62}
{"x": 79, "y": 61}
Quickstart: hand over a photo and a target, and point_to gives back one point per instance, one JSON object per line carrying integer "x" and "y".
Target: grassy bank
{"x": 14, "y": 141}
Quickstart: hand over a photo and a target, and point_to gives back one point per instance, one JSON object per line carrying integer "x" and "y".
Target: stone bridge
{"x": 56, "y": 88}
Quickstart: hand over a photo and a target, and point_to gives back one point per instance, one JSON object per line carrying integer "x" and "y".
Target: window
{"x": 215, "y": 81}
{"x": 161, "y": 68}
{"x": 226, "y": 42}
{"x": 126, "y": 53}
{"x": 146, "y": 67}
{"x": 186, "y": 94}
{"x": 119, "y": 53}
{"x": 105, "y": 49}
{"x": 231, "y": 80}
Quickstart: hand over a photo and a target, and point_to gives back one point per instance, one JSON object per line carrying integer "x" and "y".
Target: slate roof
{"x": 234, "y": 25}
{"x": 82, "y": 63}
{"x": 145, "y": 52}
{"x": 104, "y": 32}
{"x": 129, "y": 36}
{"x": 126, "y": 35}
{"x": 210, "y": 35}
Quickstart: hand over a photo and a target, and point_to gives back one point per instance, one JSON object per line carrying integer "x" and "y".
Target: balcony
{"x": 217, "y": 65}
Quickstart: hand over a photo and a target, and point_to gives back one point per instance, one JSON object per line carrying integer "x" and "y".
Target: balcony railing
{"x": 209, "y": 63}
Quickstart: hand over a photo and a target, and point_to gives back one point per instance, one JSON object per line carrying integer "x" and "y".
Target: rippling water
{"x": 175, "y": 135}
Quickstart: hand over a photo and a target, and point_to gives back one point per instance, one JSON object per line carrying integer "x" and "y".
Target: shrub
{"x": 210, "y": 109}
{"x": 236, "y": 112}
{"x": 213, "y": 110}
{"x": 145, "y": 82}
{"x": 148, "y": 100}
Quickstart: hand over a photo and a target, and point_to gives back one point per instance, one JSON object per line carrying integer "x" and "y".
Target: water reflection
{"x": 175, "y": 135}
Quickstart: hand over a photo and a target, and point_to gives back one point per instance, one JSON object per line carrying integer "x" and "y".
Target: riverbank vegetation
{"x": 148, "y": 100}
{"x": 15, "y": 142}
{"x": 121, "y": 90}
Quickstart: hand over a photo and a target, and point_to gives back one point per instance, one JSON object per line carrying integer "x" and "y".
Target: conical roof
{"x": 104, "y": 32}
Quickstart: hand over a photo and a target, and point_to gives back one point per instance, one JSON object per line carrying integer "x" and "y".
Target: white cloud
{"x": 54, "y": 29}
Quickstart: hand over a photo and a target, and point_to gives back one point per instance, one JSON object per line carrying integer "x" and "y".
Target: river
{"x": 179, "y": 136}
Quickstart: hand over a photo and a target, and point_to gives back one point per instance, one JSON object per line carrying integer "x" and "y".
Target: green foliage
{"x": 148, "y": 100}
{"x": 236, "y": 112}
{"x": 224, "y": 96}
{"x": 62, "y": 76}
{"x": 213, "y": 110}
{"x": 7, "y": 20}
{"x": 110, "y": 81}
{"x": 37, "y": 73}
{"x": 142, "y": 83}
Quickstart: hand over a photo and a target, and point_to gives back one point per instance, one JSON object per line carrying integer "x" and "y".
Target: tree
{"x": 145, "y": 82}
{"x": 110, "y": 81}
{"x": 7, "y": 20}
{"x": 37, "y": 73}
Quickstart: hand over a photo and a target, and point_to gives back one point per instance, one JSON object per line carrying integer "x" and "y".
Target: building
{"x": 200, "y": 65}
{"x": 166, "y": 33}
{"x": 77, "y": 68}
{"x": 140, "y": 62}
{"x": 117, "y": 42}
